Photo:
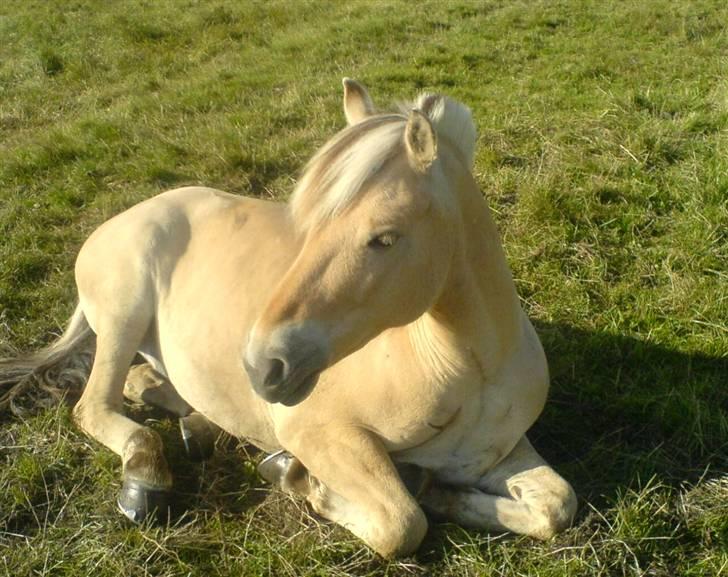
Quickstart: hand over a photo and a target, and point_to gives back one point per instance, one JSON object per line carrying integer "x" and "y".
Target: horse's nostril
{"x": 268, "y": 373}
{"x": 276, "y": 372}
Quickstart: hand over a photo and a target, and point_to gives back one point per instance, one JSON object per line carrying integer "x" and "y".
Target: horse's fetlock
{"x": 143, "y": 439}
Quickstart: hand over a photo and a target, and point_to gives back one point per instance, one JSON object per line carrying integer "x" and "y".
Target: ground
{"x": 603, "y": 152}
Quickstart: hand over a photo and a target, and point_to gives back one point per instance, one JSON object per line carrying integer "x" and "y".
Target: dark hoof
{"x": 275, "y": 466}
{"x": 198, "y": 437}
{"x": 140, "y": 503}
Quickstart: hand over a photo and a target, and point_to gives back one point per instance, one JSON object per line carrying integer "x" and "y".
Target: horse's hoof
{"x": 198, "y": 437}
{"x": 275, "y": 466}
{"x": 140, "y": 503}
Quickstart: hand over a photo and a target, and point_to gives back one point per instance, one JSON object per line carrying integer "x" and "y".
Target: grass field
{"x": 603, "y": 152}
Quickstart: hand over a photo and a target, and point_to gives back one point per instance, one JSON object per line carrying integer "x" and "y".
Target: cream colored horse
{"x": 370, "y": 323}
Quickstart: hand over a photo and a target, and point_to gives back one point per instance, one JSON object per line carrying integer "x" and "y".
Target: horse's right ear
{"x": 420, "y": 140}
{"x": 357, "y": 103}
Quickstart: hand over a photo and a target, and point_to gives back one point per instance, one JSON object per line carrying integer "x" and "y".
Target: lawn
{"x": 603, "y": 152}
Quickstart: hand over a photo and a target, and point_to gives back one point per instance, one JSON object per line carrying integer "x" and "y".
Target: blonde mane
{"x": 339, "y": 171}
{"x": 452, "y": 120}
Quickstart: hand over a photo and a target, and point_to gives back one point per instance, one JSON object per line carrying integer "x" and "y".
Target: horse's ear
{"x": 421, "y": 142}
{"x": 357, "y": 103}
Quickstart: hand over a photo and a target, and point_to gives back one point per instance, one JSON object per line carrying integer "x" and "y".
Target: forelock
{"x": 338, "y": 172}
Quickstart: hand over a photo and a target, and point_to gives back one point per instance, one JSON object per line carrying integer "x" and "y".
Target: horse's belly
{"x": 209, "y": 296}
{"x": 225, "y": 398}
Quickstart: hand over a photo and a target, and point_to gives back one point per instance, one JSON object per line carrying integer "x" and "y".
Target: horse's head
{"x": 378, "y": 211}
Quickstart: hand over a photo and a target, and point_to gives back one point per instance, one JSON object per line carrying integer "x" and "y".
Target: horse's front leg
{"x": 521, "y": 494}
{"x": 354, "y": 483}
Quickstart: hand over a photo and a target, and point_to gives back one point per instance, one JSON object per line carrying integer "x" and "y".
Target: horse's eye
{"x": 384, "y": 240}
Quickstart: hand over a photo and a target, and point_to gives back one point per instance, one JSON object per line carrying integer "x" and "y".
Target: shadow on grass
{"x": 622, "y": 410}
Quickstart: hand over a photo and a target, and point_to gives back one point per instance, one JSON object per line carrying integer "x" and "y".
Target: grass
{"x": 603, "y": 153}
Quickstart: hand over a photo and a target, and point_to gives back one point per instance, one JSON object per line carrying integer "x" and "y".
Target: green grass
{"x": 603, "y": 153}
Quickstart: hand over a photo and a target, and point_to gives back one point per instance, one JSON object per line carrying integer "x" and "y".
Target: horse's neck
{"x": 477, "y": 320}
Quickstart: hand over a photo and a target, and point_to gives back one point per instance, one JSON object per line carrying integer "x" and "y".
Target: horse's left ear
{"x": 357, "y": 103}
{"x": 421, "y": 141}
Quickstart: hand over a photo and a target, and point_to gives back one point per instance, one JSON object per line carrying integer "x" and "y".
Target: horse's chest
{"x": 480, "y": 433}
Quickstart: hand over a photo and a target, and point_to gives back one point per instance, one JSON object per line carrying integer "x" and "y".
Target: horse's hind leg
{"x": 146, "y": 476}
{"x": 521, "y": 494}
{"x": 146, "y": 385}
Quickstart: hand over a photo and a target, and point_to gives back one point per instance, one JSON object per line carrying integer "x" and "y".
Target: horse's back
{"x": 141, "y": 246}
{"x": 153, "y": 236}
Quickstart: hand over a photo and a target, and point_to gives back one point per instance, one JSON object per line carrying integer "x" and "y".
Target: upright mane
{"x": 334, "y": 178}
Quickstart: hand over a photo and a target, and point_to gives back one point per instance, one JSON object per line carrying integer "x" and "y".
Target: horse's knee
{"x": 393, "y": 529}
{"x": 399, "y": 532}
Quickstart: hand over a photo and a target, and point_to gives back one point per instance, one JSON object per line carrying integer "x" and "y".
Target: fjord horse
{"x": 370, "y": 324}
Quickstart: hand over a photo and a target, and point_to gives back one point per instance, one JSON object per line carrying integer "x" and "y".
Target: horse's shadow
{"x": 622, "y": 411}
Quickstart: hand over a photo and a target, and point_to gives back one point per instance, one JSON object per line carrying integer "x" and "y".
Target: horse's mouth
{"x": 302, "y": 391}
{"x": 291, "y": 391}
{"x": 285, "y": 368}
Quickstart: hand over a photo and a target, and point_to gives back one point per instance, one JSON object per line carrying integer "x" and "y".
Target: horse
{"x": 366, "y": 329}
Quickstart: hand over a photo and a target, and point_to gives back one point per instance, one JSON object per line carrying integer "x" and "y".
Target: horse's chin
{"x": 302, "y": 391}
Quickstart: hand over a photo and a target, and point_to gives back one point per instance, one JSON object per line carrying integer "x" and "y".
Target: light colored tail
{"x": 62, "y": 365}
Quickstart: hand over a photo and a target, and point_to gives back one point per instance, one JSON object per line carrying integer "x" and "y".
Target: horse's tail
{"x": 62, "y": 365}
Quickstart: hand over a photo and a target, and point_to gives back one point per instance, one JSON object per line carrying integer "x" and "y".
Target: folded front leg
{"x": 521, "y": 494}
{"x": 354, "y": 483}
